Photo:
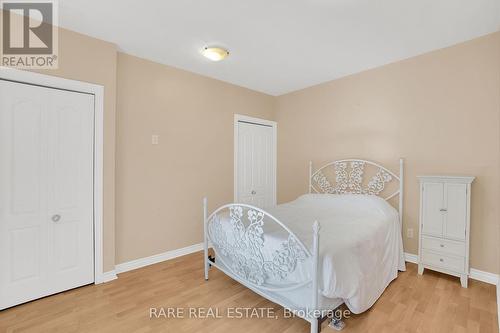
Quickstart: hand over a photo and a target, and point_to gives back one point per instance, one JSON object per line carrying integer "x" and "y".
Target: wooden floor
{"x": 429, "y": 303}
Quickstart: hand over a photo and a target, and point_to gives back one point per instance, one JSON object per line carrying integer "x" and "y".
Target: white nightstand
{"x": 445, "y": 225}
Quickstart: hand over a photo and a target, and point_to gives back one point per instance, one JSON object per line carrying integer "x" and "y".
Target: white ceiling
{"x": 278, "y": 46}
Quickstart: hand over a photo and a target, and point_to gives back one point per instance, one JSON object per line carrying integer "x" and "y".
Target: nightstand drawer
{"x": 444, "y": 246}
{"x": 441, "y": 260}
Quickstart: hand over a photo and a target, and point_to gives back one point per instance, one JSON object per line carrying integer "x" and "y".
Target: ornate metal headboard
{"x": 348, "y": 178}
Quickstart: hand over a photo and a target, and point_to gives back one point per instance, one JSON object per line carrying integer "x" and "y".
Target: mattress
{"x": 360, "y": 245}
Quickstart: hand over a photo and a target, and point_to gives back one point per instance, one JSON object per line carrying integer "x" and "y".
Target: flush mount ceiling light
{"x": 215, "y": 53}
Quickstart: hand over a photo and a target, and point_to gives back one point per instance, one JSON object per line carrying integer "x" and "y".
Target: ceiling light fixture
{"x": 215, "y": 53}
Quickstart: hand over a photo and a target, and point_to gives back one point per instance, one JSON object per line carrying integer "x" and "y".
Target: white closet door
{"x": 256, "y": 175}
{"x": 46, "y": 191}
{"x": 456, "y": 216}
{"x": 432, "y": 209}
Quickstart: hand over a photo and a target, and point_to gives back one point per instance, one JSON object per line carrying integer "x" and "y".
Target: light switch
{"x": 409, "y": 233}
{"x": 155, "y": 139}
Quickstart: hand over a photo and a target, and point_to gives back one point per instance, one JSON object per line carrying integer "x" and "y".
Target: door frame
{"x": 21, "y": 76}
{"x": 257, "y": 121}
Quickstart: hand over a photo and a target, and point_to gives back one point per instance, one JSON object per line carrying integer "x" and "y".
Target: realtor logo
{"x": 29, "y": 34}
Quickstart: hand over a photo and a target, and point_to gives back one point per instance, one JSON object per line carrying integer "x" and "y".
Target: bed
{"x": 278, "y": 254}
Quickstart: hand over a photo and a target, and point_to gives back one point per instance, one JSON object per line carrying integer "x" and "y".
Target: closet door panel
{"x": 46, "y": 191}
{"x": 256, "y": 176}
{"x": 23, "y": 200}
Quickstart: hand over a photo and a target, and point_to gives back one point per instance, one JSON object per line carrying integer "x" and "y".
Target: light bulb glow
{"x": 215, "y": 53}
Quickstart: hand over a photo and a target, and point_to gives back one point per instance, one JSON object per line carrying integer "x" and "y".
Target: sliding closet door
{"x": 256, "y": 154}
{"x": 46, "y": 191}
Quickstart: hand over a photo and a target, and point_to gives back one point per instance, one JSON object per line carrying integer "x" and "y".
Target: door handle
{"x": 56, "y": 217}
{"x": 253, "y": 192}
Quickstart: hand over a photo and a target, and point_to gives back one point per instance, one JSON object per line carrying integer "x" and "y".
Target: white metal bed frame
{"x": 240, "y": 249}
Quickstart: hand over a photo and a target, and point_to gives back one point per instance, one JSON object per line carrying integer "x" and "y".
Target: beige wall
{"x": 91, "y": 60}
{"x": 159, "y": 188}
{"x": 440, "y": 111}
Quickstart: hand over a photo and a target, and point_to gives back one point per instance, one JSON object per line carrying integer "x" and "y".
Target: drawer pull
{"x": 441, "y": 259}
{"x": 442, "y": 245}
{"x": 443, "y": 210}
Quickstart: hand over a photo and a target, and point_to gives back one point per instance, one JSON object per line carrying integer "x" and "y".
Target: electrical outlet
{"x": 155, "y": 139}
{"x": 409, "y": 233}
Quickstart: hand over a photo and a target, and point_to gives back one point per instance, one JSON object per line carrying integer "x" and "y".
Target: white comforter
{"x": 361, "y": 247}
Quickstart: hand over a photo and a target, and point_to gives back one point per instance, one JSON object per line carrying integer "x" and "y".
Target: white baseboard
{"x": 410, "y": 257}
{"x": 109, "y": 276}
{"x": 483, "y": 276}
{"x": 138, "y": 263}
{"x": 475, "y": 274}
{"x": 105, "y": 277}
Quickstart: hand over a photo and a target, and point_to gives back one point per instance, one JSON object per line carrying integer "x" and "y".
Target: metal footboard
{"x": 239, "y": 235}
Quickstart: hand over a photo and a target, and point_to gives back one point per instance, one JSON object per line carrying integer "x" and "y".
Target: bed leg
{"x": 316, "y": 321}
{"x": 206, "y": 269}
{"x": 337, "y": 324}
{"x": 315, "y": 325}
{"x": 211, "y": 259}
{"x": 205, "y": 238}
